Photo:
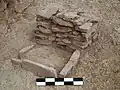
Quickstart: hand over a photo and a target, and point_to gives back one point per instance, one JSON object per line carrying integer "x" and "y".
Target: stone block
{"x": 67, "y": 68}
{"x": 61, "y": 29}
{"x": 85, "y": 27}
{"x": 43, "y": 42}
{"x": 49, "y": 11}
{"x": 71, "y": 63}
{"x": 16, "y": 61}
{"x": 75, "y": 56}
{"x": 80, "y": 20}
{"x": 58, "y": 39}
{"x": 51, "y": 38}
{"x": 38, "y": 69}
{"x": 41, "y": 36}
{"x": 61, "y": 22}
{"x": 66, "y": 41}
{"x": 44, "y": 30}
{"x": 45, "y": 24}
{"x": 61, "y": 43}
{"x": 61, "y": 35}
{"x": 24, "y": 50}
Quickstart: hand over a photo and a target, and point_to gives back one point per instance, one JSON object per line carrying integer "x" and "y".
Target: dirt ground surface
{"x": 99, "y": 64}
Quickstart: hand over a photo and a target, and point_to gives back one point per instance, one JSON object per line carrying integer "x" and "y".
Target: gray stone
{"x": 67, "y": 68}
{"x": 38, "y": 69}
{"x": 66, "y": 41}
{"x": 16, "y": 61}
{"x": 85, "y": 27}
{"x": 94, "y": 36}
{"x": 71, "y": 63}
{"x": 75, "y": 56}
{"x": 43, "y": 24}
{"x": 61, "y": 22}
{"x": 58, "y": 39}
{"x": 61, "y": 29}
{"x": 43, "y": 42}
{"x": 75, "y": 33}
{"x": 80, "y": 20}
{"x": 61, "y": 43}
{"x": 41, "y": 36}
{"x": 45, "y": 30}
{"x": 49, "y": 11}
{"x": 59, "y": 35}
{"x": 51, "y": 38}
{"x": 24, "y": 50}
{"x": 79, "y": 44}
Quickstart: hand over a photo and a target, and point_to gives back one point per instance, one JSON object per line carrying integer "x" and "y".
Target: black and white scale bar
{"x": 59, "y": 81}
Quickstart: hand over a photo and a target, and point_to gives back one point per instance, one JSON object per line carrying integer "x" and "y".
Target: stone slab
{"x": 85, "y": 27}
{"x": 61, "y": 22}
{"x": 16, "y": 61}
{"x": 38, "y": 69}
{"x": 71, "y": 63}
{"x": 24, "y": 50}
{"x": 48, "y": 12}
{"x": 75, "y": 56}
{"x": 67, "y": 68}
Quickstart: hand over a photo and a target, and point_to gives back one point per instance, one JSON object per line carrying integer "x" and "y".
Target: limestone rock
{"x": 67, "y": 68}
{"x": 85, "y": 27}
{"x": 66, "y": 41}
{"x": 61, "y": 43}
{"x": 61, "y": 29}
{"x": 61, "y": 22}
{"x": 94, "y": 36}
{"x": 75, "y": 56}
{"x": 80, "y": 20}
{"x": 41, "y": 36}
{"x": 59, "y": 35}
{"x": 75, "y": 33}
{"x": 16, "y": 61}
{"x": 79, "y": 44}
{"x": 43, "y": 24}
{"x": 47, "y": 13}
{"x": 51, "y": 38}
{"x": 50, "y": 10}
{"x": 58, "y": 39}
{"x": 43, "y": 42}
{"x": 45, "y": 30}
{"x": 38, "y": 69}
{"x": 71, "y": 63}
{"x": 24, "y": 50}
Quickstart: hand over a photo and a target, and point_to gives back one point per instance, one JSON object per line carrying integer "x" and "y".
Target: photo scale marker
{"x": 59, "y": 81}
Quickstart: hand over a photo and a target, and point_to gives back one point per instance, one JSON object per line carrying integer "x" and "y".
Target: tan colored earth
{"x": 99, "y": 64}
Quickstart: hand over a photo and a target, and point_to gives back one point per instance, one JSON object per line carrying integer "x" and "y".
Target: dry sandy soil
{"x": 99, "y": 64}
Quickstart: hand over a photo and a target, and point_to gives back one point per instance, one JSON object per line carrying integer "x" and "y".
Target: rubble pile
{"x": 75, "y": 30}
